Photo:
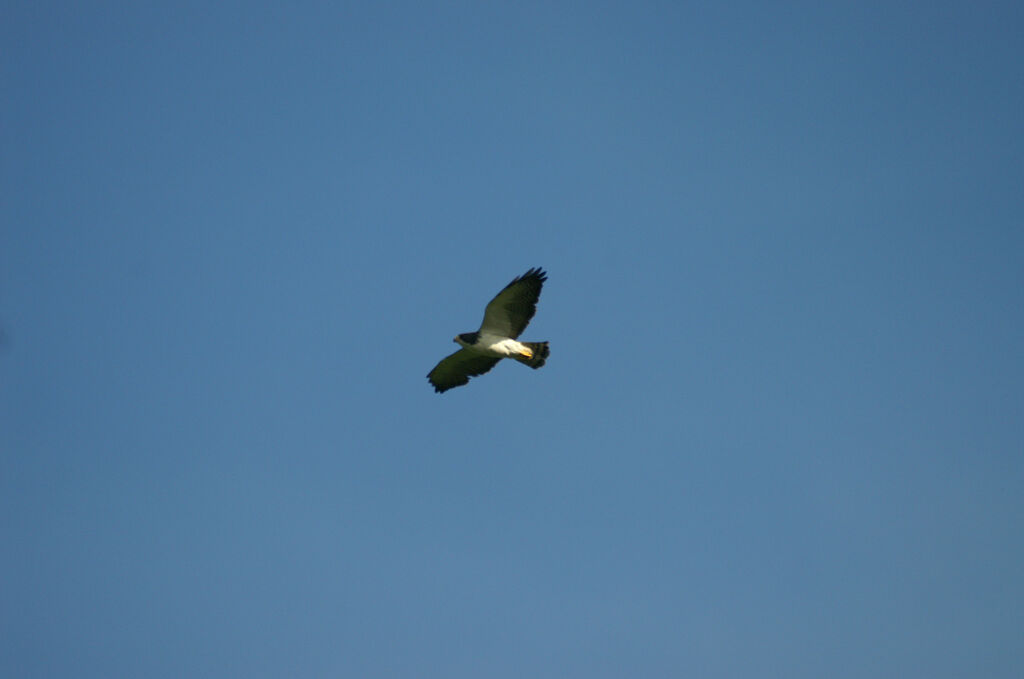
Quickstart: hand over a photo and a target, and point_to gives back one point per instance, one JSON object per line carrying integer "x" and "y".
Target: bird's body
{"x": 505, "y": 319}
{"x": 495, "y": 346}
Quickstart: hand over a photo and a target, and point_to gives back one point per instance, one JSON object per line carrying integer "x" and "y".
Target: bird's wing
{"x": 455, "y": 370}
{"x": 512, "y": 308}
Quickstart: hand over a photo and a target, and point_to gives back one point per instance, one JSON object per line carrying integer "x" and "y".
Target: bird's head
{"x": 466, "y": 338}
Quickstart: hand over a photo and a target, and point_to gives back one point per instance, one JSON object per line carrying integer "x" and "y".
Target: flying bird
{"x": 505, "y": 318}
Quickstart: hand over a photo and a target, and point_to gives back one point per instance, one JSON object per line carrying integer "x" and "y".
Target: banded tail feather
{"x": 540, "y": 354}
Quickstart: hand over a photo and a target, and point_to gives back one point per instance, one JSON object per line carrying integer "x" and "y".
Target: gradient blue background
{"x": 781, "y": 432}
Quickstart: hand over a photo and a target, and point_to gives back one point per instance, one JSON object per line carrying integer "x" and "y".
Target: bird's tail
{"x": 539, "y": 351}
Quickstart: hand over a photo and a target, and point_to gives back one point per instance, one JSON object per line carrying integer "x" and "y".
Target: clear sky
{"x": 781, "y": 431}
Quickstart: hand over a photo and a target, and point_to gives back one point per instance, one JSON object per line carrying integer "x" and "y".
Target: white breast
{"x": 496, "y": 345}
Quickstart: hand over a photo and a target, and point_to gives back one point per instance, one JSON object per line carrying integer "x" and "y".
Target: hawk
{"x": 505, "y": 318}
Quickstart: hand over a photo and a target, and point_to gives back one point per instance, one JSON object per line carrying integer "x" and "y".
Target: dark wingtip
{"x": 537, "y": 273}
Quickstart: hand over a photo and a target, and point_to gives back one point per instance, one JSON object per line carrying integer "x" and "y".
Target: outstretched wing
{"x": 455, "y": 370}
{"x": 512, "y": 308}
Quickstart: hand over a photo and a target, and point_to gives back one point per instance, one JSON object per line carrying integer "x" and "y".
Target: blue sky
{"x": 781, "y": 429}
